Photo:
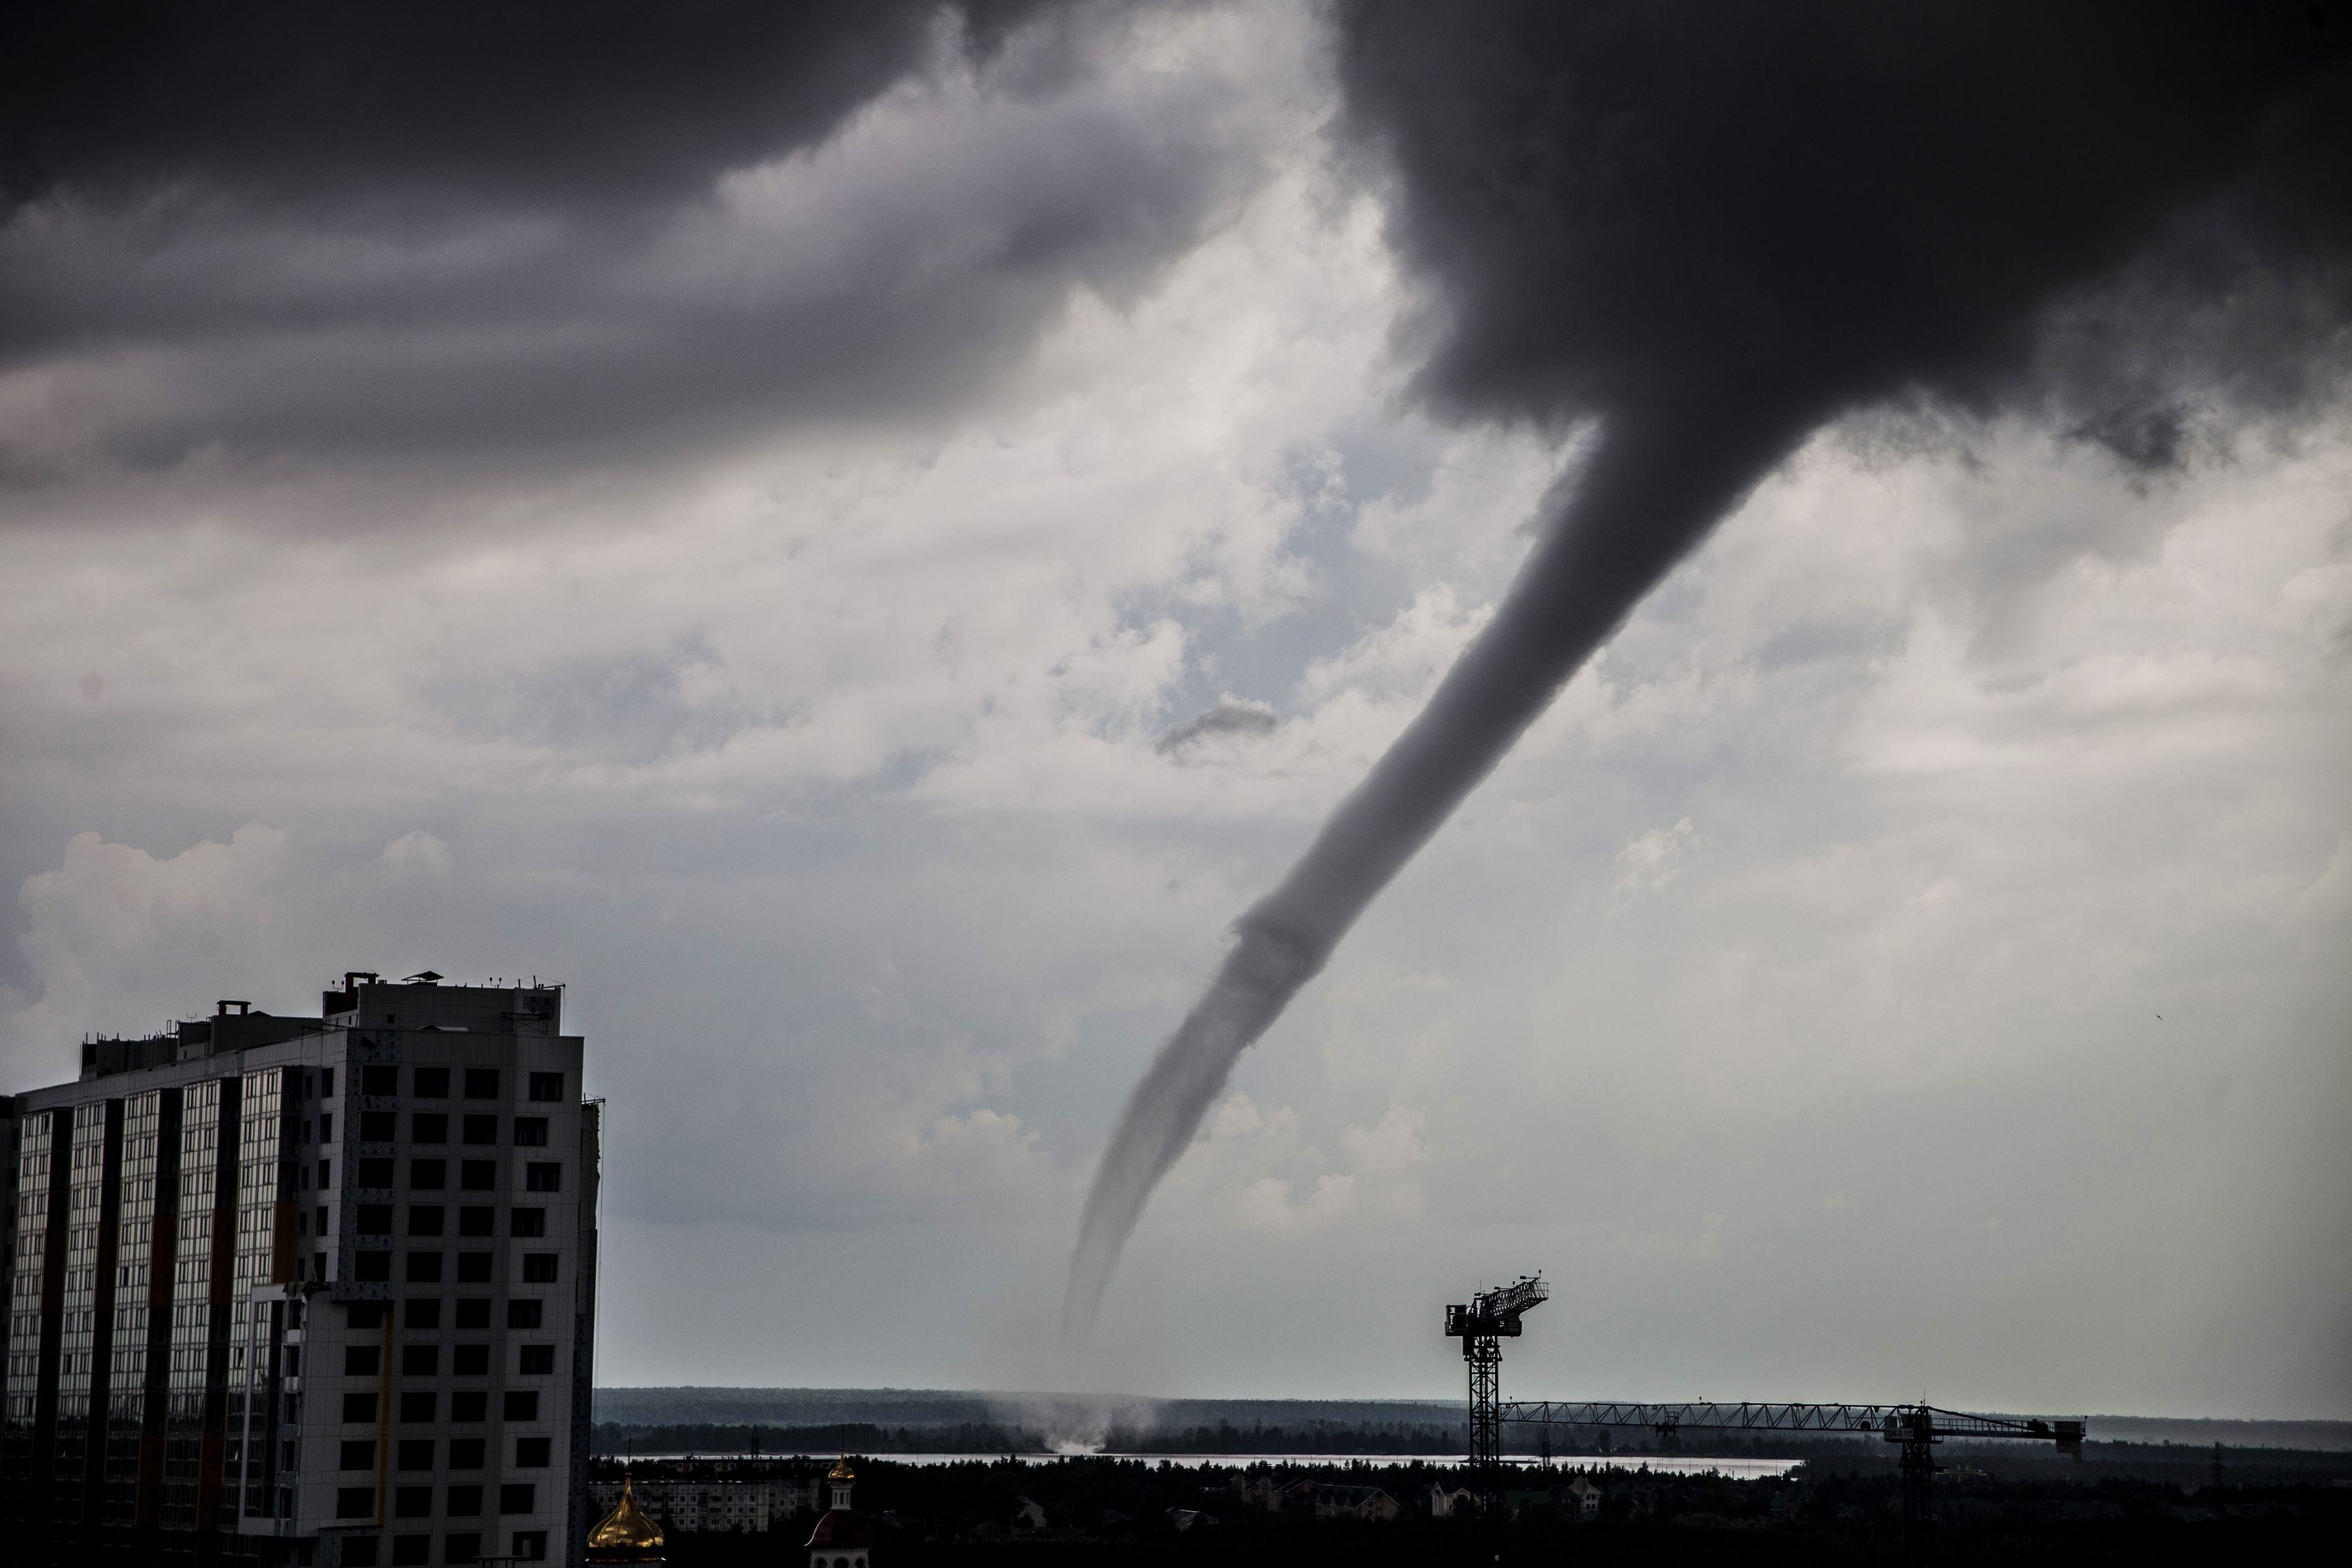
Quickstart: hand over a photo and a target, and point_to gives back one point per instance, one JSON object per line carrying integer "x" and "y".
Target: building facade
{"x": 688, "y": 1497}
{"x": 308, "y": 1290}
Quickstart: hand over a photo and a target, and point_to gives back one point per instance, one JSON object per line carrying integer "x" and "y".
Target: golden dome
{"x": 841, "y": 1470}
{"x": 626, "y": 1529}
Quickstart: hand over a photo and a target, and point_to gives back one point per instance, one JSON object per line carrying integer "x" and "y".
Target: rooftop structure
{"x": 840, "y": 1539}
{"x": 625, "y": 1535}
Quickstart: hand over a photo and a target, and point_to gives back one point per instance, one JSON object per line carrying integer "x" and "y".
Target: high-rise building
{"x": 305, "y": 1291}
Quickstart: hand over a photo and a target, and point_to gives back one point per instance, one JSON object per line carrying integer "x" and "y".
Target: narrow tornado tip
{"x": 1272, "y": 955}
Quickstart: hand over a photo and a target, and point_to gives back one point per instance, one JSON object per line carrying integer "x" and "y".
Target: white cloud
{"x": 1655, "y": 858}
{"x": 416, "y": 853}
{"x": 1381, "y": 1182}
{"x": 119, "y": 940}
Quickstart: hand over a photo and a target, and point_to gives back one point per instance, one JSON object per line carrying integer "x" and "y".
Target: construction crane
{"x": 1490, "y": 1318}
{"x": 1916, "y": 1428}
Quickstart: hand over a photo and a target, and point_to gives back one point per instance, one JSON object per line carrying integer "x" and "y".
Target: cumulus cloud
{"x": 1256, "y": 1170}
{"x": 1655, "y": 858}
{"x": 416, "y": 853}
{"x": 119, "y": 940}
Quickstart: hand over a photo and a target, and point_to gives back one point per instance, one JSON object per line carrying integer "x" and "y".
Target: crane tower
{"x": 1490, "y": 1318}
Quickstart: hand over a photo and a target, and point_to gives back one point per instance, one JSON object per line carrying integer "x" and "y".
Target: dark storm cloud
{"x": 1228, "y": 717}
{"x": 528, "y": 100}
{"x": 512, "y": 235}
{"x": 1823, "y": 204}
{"x": 1712, "y": 226}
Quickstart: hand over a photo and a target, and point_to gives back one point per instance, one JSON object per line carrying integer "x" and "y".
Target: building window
{"x": 536, "y": 1360}
{"x": 542, "y": 1177}
{"x": 478, "y": 1219}
{"x": 375, "y": 1173}
{"x": 425, "y": 1311}
{"x": 429, "y": 1127}
{"x": 417, "y": 1454}
{"x": 358, "y": 1406}
{"x": 411, "y": 1502}
{"x": 531, "y": 1453}
{"x": 326, "y": 1174}
{"x": 531, "y": 1131}
{"x": 326, "y": 1083}
{"x": 518, "y": 1497}
{"x": 481, "y": 1083}
{"x": 419, "y": 1361}
{"x": 359, "y": 1454}
{"x": 358, "y": 1551}
{"x": 428, "y": 1175}
{"x": 480, "y": 1176}
{"x": 469, "y": 1361}
{"x": 360, "y": 1361}
{"x": 530, "y": 1222}
{"x": 462, "y": 1547}
{"x": 379, "y": 1126}
{"x": 417, "y": 1407}
{"x": 473, "y": 1269}
{"x": 431, "y": 1083}
{"x": 525, "y": 1313}
{"x": 372, "y": 1267}
{"x": 412, "y": 1551}
{"x": 521, "y": 1405}
{"x": 465, "y": 1503}
{"x": 373, "y": 1219}
{"x": 385, "y": 1081}
{"x": 469, "y": 1404}
{"x": 539, "y": 1267}
{"x": 547, "y": 1086}
{"x": 424, "y": 1269}
{"x": 466, "y": 1454}
{"x": 481, "y": 1129}
{"x": 326, "y": 1127}
{"x": 473, "y": 1313}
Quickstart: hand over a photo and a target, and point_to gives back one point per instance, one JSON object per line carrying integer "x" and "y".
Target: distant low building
{"x": 1318, "y": 1499}
{"x": 711, "y": 1496}
{"x": 1352, "y": 1502}
{"x": 1445, "y": 1502}
{"x": 1585, "y": 1498}
{"x": 1264, "y": 1491}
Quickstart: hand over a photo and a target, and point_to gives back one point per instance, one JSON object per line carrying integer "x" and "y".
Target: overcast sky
{"x": 864, "y": 576}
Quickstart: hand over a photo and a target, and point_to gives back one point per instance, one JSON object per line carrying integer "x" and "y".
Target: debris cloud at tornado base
{"x": 1713, "y": 228}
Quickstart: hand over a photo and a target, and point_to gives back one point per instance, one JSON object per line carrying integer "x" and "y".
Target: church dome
{"x": 626, "y": 1535}
{"x": 841, "y": 1470}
